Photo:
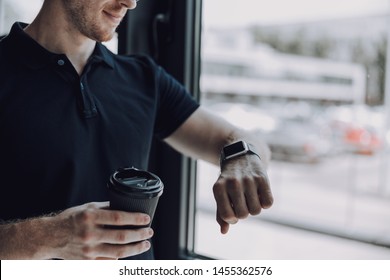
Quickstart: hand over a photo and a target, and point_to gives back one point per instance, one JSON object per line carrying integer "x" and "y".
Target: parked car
{"x": 355, "y": 138}
{"x": 300, "y": 141}
{"x": 357, "y": 129}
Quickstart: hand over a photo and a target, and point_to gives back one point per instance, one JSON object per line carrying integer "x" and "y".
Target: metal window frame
{"x": 1, "y": 16}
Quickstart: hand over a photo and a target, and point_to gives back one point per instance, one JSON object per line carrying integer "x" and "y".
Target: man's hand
{"x": 90, "y": 238}
{"x": 242, "y": 189}
{"x": 80, "y": 232}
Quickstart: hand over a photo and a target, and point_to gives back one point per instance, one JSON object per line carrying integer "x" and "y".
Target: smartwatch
{"x": 236, "y": 149}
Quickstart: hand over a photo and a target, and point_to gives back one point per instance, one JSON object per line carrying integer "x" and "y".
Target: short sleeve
{"x": 175, "y": 104}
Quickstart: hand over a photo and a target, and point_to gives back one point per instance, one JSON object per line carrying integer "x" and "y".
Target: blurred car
{"x": 290, "y": 139}
{"x": 299, "y": 141}
{"x": 356, "y": 138}
{"x": 357, "y": 129}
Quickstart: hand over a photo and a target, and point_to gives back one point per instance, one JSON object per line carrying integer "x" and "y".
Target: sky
{"x": 245, "y": 12}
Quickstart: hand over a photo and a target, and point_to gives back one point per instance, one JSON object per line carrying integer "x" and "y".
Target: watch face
{"x": 234, "y": 149}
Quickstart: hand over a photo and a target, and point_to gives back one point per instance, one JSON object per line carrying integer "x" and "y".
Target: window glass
{"x": 308, "y": 76}
{"x": 17, "y": 10}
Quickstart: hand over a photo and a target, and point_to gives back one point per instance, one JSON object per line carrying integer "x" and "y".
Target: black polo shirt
{"x": 62, "y": 135}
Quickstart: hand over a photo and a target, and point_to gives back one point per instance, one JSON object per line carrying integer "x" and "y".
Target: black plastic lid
{"x": 136, "y": 183}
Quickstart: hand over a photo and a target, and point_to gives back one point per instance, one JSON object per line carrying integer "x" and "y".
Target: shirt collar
{"x": 101, "y": 53}
{"x": 35, "y": 56}
{"x": 27, "y": 50}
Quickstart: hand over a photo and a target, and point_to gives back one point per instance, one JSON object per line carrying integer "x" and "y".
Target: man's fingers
{"x": 253, "y": 201}
{"x": 104, "y": 204}
{"x": 264, "y": 192}
{"x": 112, "y": 251}
{"x": 124, "y": 236}
{"x": 121, "y": 218}
{"x": 224, "y": 205}
{"x": 224, "y": 225}
{"x": 237, "y": 197}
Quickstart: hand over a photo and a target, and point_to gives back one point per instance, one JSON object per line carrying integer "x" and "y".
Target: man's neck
{"x": 58, "y": 37}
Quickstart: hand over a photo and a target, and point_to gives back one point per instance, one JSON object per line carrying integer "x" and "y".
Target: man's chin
{"x": 103, "y": 36}
{"x": 104, "y": 39}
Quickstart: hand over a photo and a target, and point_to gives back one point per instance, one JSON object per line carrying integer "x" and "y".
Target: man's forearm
{"x": 25, "y": 239}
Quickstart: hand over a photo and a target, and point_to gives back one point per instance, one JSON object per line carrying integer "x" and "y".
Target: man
{"x": 71, "y": 113}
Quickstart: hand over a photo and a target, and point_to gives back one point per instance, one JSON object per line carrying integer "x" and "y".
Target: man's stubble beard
{"x": 83, "y": 22}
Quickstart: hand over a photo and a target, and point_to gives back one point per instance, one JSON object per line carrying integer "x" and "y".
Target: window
{"x": 311, "y": 82}
{"x": 17, "y": 10}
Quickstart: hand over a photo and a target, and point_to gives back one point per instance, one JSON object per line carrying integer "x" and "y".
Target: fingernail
{"x": 232, "y": 222}
{"x": 146, "y": 219}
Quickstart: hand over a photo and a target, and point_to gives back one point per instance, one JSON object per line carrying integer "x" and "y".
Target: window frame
{"x": 1, "y": 17}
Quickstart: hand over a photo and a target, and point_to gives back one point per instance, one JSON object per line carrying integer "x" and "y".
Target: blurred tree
{"x": 322, "y": 48}
{"x": 380, "y": 64}
{"x": 370, "y": 53}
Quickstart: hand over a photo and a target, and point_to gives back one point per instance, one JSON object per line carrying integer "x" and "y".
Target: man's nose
{"x": 128, "y": 4}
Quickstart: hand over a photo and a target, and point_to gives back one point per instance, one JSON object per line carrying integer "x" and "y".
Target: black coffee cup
{"x": 134, "y": 190}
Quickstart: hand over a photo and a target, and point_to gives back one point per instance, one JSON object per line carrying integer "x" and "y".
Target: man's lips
{"x": 115, "y": 18}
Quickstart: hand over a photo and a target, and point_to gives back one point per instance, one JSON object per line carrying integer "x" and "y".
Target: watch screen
{"x": 234, "y": 148}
